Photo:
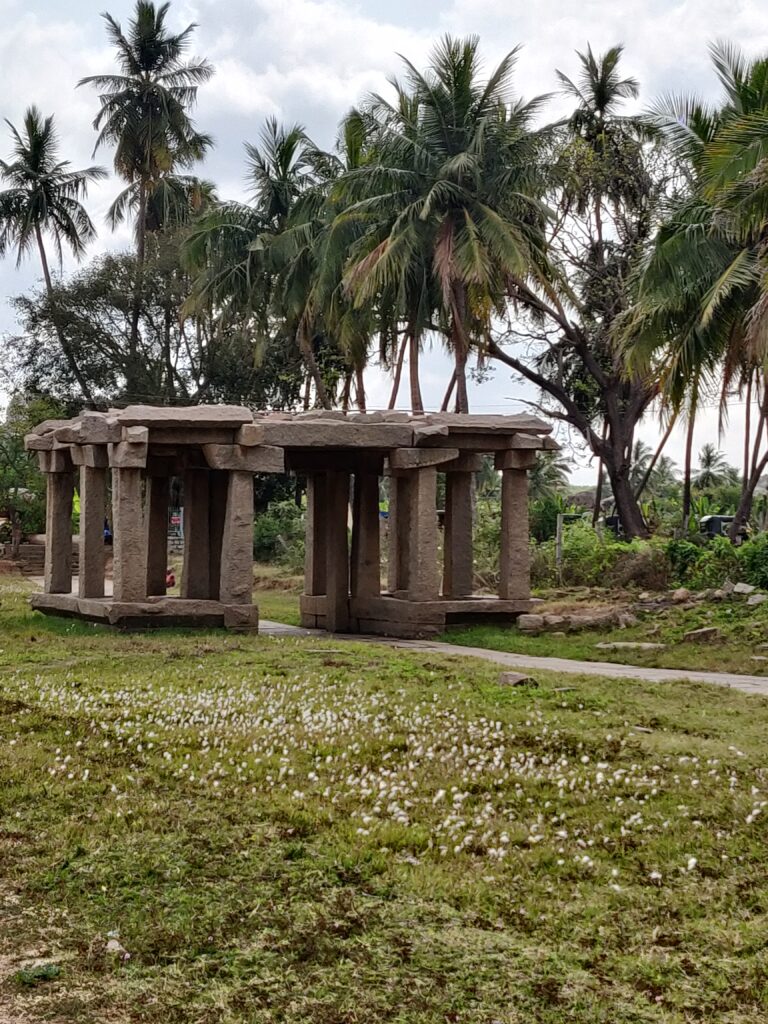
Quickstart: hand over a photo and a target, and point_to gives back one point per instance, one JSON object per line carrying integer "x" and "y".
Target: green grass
{"x": 197, "y": 827}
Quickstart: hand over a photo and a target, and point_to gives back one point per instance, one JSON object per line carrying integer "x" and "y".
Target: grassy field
{"x": 200, "y": 828}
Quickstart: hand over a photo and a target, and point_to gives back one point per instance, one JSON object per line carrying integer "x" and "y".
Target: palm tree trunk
{"x": 656, "y": 455}
{"x": 448, "y": 393}
{"x": 347, "y": 391}
{"x": 417, "y": 405}
{"x": 398, "y": 373}
{"x": 65, "y": 348}
{"x": 748, "y": 429}
{"x": 599, "y": 488}
{"x": 688, "y": 458}
{"x": 305, "y": 346}
{"x": 360, "y": 389}
{"x": 132, "y": 366}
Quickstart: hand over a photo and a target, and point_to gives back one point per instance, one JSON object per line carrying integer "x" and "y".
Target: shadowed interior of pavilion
{"x": 216, "y": 450}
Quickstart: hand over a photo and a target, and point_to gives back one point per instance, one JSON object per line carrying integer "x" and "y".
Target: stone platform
{"x": 152, "y": 613}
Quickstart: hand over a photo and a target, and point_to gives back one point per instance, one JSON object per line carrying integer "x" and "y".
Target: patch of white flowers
{"x": 399, "y": 772}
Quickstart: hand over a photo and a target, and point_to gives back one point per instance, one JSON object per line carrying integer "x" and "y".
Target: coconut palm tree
{"x": 713, "y": 468}
{"x": 453, "y": 197}
{"x": 43, "y": 196}
{"x": 144, "y": 114}
{"x": 549, "y": 475}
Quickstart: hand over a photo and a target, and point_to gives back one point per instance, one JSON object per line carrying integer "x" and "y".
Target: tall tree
{"x": 605, "y": 188}
{"x": 454, "y": 199}
{"x": 145, "y": 115}
{"x": 43, "y": 196}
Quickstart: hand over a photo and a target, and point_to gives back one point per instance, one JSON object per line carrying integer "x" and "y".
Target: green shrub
{"x": 586, "y": 560}
{"x": 753, "y": 558}
{"x": 642, "y": 564}
{"x": 717, "y": 562}
{"x": 683, "y": 556}
{"x": 278, "y": 534}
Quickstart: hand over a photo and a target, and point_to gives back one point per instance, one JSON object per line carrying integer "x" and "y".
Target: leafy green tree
{"x": 549, "y": 477}
{"x": 713, "y": 468}
{"x": 43, "y": 196}
{"x": 145, "y": 115}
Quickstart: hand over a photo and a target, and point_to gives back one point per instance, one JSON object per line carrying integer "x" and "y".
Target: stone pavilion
{"x": 134, "y": 453}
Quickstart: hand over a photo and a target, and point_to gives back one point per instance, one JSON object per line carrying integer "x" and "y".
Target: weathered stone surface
{"x": 38, "y": 442}
{"x": 236, "y": 579}
{"x": 129, "y": 541}
{"x": 56, "y": 461}
{"x": 337, "y": 552}
{"x": 336, "y": 434}
{"x": 241, "y": 618}
{"x": 136, "y": 435}
{"x": 530, "y": 623}
{"x": 365, "y": 577}
{"x": 520, "y": 460}
{"x": 423, "y": 579}
{"x": 195, "y": 573}
{"x": 704, "y": 635}
{"x": 516, "y": 679}
{"x": 93, "y": 497}
{"x": 514, "y": 565}
{"x": 58, "y": 533}
{"x": 418, "y": 458}
{"x": 427, "y": 434}
{"x": 245, "y": 459}
{"x": 458, "y": 552}
{"x": 680, "y": 595}
{"x": 92, "y": 455}
{"x": 193, "y": 417}
{"x": 250, "y": 434}
{"x": 728, "y": 587}
{"x": 755, "y": 599}
{"x": 314, "y": 546}
{"x": 629, "y": 645}
{"x": 744, "y": 588}
{"x": 127, "y": 455}
{"x": 556, "y": 621}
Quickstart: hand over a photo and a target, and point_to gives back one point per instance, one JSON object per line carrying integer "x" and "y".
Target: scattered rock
{"x": 744, "y": 588}
{"x": 646, "y": 596}
{"x": 681, "y": 594}
{"x": 555, "y": 621}
{"x": 728, "y": 587}
{"x": 719, "y": 595}
{"x": 758, "y": 657}
{"x": 754, "y": 599}
{"x": 530, "y": 623}
{"x": 629, "y": 645}
{"x": 627, "y": 619}
{"x": 702, "y": 636}
{"x": 516, "y": 679}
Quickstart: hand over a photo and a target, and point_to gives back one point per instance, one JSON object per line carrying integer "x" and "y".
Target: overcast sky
{"x": 310, "y": 60}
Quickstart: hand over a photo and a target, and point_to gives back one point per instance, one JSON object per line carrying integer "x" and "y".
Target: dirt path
{"x": 757, "y": 685}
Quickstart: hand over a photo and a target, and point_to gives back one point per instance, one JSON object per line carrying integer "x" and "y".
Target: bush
{"x": 278, "y": 534}
{"x": 586, "y": 558}
{"x": 753, "y": 559}
{"x": 641, "y": 564}
{"x": 718, "y": 561}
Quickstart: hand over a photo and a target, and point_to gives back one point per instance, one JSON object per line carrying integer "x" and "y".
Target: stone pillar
{"x": 195, "y": 574}
{"x": 93, "y": 497}
{"x": 336, "y": 552}
{"x": 218, "y": 498}
{"x": 58, "y": 532}
{"x": 399, "y": 534}
{"x": 129, "y": 538}
{"x": 458, "y": 562}
{"x": 158, "y": 499}
{"x": 314, "y": 558}
{"x": 423, "y": 576}
{"x": 514, "y": 567}
{"x": 236, "y": 582}
{"x": 366, "y": 554}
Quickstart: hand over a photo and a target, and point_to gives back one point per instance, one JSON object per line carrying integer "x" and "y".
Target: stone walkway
{"x": 756, "y": 685}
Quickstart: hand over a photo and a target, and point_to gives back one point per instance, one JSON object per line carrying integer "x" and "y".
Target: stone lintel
{"x": 38, "y": 442}
{"x": 190, "y": 436}
{"x": 91, "y": 428}
{"x": 239, "y": 458}
{"x": 425, "y": 435}
{"x": 334, "y": 434}
{"x": 126, "y": 455}
{"x": 515, "y": 459}
{"x": 417, "y": 458}
{"x": 186, "y": 418}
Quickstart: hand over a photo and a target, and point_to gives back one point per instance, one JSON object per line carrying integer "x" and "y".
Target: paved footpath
{"x": 749, "y": 684}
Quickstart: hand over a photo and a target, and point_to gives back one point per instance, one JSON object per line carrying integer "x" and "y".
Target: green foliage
{"x": 717, "y": 561}
{"x": 278, "y": 534}
{"x": 683, "y": 556}
{"x": 753, "y": 557}
{"x": 543, "y": 513}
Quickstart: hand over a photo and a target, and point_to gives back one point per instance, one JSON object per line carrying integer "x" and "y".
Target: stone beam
{"x": 245, "y": 459}
{"x": 418, "y": 458}
{"x": 128, "y": 455}
{"x": 92, "y": 455}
